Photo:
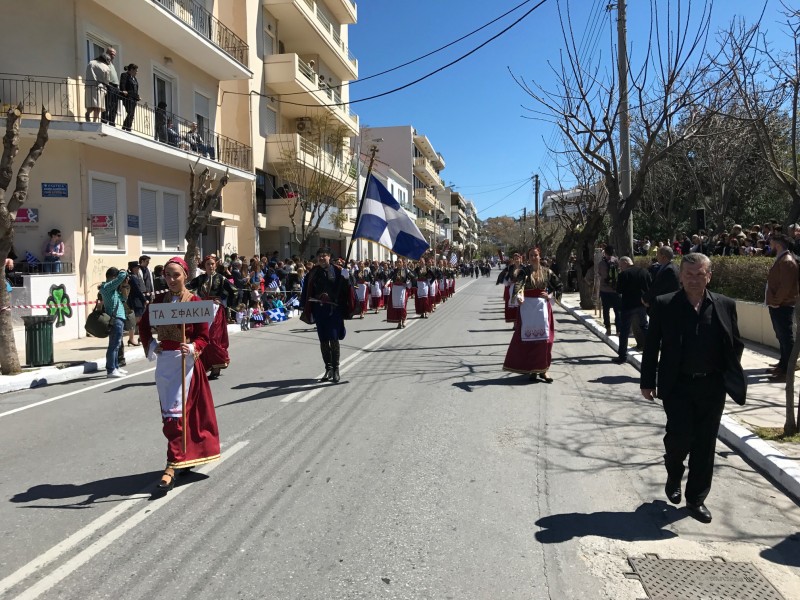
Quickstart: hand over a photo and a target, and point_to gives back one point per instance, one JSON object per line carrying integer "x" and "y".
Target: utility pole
{"x": 523, "y": 223}
{"x": 624, "y": 119}
{"x": 536, "y": 208}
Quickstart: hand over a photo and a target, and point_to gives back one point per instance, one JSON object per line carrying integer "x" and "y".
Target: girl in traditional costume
{"x": 510, "y": 301}
{"x": 531, "y": 347}
{"x": 401, "y": 281}
{"x": 195, "y": 441}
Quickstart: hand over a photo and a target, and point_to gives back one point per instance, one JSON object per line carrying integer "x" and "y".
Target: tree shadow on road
{"x": 94, "y": 491}
{"x": 614, "y": 379}
{"x": 647, "y": 522}
{"x": 276, "y": 387}
{"x": 510, "y": 379}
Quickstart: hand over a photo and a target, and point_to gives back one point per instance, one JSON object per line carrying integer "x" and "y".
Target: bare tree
{"x": 204, "y": 197}
{"x": 9, "y": 359}
{"x": 585, "y": 105}
{"x": 319, "y": 178}
{"x": 768, "y": 85}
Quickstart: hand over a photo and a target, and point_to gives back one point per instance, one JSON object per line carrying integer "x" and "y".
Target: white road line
{"x": 84, "y": 556}
{"x": 302, "y": 396}
{"x": 67, "y": 395}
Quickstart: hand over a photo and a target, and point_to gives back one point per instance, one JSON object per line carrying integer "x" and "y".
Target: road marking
{"x": 76, "y": 538}
{"x": 359, "y": 355}
{"x": 67, "y": 395}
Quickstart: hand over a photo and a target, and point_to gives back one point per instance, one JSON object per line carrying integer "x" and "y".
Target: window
{"x": 162, "y": 88}
{"x": 107, "y": 198}
{"x": 269, "y": 118}
{"x": 265, "y": 188}
{"x": 202, "y": 112}
{"x": 161, "y": 218}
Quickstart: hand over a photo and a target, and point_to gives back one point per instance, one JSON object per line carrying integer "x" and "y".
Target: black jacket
{"x": 661, "y": 361}
{"x": 128, "y": 83}
{"x": 666, "y": 281}
{"x": 136, "y": 299}
{"x": 632, "y": 284}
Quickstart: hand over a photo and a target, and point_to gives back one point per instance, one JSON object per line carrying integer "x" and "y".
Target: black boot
{"x": 326, "y": 356}
{"x": 335, "y": 361}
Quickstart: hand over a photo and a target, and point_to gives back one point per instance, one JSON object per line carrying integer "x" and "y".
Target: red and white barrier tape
{"x": 54, "y": 305}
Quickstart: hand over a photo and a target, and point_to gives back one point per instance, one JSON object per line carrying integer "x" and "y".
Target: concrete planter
{"x": 755, "y": 324}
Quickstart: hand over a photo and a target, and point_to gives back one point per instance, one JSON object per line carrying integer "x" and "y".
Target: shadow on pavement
{"x": 126, "y": 386}
{"x": 94, "y": 491}
{"x": 786, "y": 552}
{"x": 645, "y": 523}
{"x": 509, "y": 379}
{"x": 614, "y": 379}
{"x": 281, "y": 387}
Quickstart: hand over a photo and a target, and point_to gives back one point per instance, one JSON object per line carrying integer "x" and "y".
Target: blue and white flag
{"x": 453, "y": 259}
{"x": 383, "y": 221}
{"x": 276, "y": 314}
{"x": 274, "y": 284}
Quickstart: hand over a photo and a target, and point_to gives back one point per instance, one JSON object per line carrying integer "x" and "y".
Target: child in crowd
{"x": 242, "y": 317}
{"x": 255, "y": 314}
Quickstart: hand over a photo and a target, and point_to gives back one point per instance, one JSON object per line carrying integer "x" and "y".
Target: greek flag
{"x": 31, "y": 260}
{"x": 453, "y": 259}
{"x": 274, "y": 284}
{"x": 383, "y": 221}
{"x": 276, "y": 314}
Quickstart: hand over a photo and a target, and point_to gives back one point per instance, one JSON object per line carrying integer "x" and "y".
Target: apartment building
{"x": 471, "y": 233}
{"x": 412, "y": 155}
{"x": 120, "y": 189}
{"x": 301, "y": 123}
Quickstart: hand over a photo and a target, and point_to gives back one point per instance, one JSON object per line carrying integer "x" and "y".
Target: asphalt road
{"x": 427, "y": 472}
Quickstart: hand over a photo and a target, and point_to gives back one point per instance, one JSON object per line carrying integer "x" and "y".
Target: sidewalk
{"x": 765, "y": 406}
{"x": 73, "y": 359}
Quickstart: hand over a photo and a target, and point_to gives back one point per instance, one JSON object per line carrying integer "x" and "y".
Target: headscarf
{"x": 180, "y": 262}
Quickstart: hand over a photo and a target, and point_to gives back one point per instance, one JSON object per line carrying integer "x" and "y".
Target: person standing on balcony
{"x": 53, "y": 251}
{"x": 161, "y": 122}
{"x": 129, "y": 89}
{"x": 96, "y": 81}
{"x": 109, "y": 117}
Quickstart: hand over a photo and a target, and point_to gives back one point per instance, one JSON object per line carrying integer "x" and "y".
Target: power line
{"x": 524, "y": 183}
{"x": 416, "y": 81}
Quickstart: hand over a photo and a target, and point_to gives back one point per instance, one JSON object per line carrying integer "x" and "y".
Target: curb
{"x": 50, "y": 375}
{"x": 765, "y": 457}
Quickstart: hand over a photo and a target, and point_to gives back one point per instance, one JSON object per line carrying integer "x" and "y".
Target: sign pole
{"x": 183, "y": 388}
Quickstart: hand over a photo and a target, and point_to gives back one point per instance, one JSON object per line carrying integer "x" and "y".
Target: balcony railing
{"x": 207, "y": 25}
{"x": 331, "y": 29}
{"x": 64, "y": 99}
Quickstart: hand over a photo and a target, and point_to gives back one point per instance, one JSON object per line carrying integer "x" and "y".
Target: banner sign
{"x": 27, "y": 216}
{"x": 133, "y": 221}
{"x": 102, "y": 222}
{"x": 176, "y": 313}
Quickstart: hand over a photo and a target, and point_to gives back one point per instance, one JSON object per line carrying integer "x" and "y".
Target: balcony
{"x": 289, "y": 74}
{"x": 345, "y": 11}
{"x": 424, "y": 145}
{"x": 312, "y": 33}
{"x": 308, "y": 159}
{"x": 155, "y": 136}
{"x": 188, "y": 30}
{"x": 426, "y": 225}
{"x": 425, "y": 199}
{"x": 425, "y": 172}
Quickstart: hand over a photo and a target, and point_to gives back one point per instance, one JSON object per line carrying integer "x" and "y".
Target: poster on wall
{"x": 27, "y": 216}
{"x": 103, "y": 223}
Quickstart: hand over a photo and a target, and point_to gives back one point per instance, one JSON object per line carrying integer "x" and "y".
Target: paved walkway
{"x": 765, "y": 407}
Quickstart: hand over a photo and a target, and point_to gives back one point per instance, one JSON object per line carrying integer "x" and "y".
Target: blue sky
{"x": 473, "y": 111}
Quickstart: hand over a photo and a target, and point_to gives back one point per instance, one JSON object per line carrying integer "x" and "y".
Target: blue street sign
{"x": 55, "y": 190}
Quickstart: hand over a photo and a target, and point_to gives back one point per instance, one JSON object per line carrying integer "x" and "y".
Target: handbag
{"x": 98, "y": 322}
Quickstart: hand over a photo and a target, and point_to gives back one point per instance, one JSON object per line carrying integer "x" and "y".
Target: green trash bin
{"x": 39, "y": 340}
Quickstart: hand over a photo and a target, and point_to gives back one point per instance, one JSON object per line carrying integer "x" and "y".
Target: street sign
{"x": 27, "y": 216}
{"x": 133, "y": 221}
{"x": 103, "y": 222}
{"x": 177, "y": 313}
{"x": 55, "y": 190}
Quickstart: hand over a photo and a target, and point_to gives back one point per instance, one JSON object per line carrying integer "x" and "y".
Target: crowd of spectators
{"x": 755, "y": 241}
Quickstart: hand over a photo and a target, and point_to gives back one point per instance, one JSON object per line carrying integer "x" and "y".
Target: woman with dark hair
{"x": 129, "y": 90}
{"x": 53, "y": 251}
{"x": 195, "y": 440}
{"x": 531, "y": 347}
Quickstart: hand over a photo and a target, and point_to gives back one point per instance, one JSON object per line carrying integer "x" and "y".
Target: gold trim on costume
{"x": 193, "y": 463}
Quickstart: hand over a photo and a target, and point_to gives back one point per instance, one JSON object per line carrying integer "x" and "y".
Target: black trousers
{"x": 694, "y": 409}
{"x": 109, "y": 115}
{"x": 330, "y": 353}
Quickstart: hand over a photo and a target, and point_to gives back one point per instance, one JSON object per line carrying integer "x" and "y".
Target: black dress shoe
{"x": 619, "y": 360}
{"x": 699, "y": 512}
{"x": 533, "y": 378}
{"x": 335, "y": 375}
{"x": 328, "y": 374}
{"x": 673, "y": 490}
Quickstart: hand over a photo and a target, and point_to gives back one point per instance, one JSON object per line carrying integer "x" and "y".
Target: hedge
{"x": 739, "y": 277}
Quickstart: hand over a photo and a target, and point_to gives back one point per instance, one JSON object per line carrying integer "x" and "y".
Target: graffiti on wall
{"x": 58, "y": 304}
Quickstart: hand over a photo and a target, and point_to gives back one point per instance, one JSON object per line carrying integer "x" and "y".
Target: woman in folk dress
{"x": 202, "y": 433}
{"x": 531, "y": 347}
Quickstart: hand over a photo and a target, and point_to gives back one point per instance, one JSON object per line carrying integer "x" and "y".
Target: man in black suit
{"x": 697, "y": 336}
{"x": 632, "y": 284}
{"x": 146, "y": 276}
{"x": 665, "y": 280}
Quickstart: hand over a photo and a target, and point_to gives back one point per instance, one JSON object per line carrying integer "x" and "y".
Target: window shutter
{"x": 104, "y": 202}
{"x": 172, "y": 234}
{"x": 148, "y": 219}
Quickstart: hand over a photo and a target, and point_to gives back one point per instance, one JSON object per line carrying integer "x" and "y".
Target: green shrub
{"x": 740, "y": 277}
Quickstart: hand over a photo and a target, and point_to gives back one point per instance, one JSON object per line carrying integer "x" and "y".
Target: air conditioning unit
{"x": 303, "y": 124}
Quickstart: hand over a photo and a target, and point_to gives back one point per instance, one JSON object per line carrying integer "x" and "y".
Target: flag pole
{"x": 373, "y": 150}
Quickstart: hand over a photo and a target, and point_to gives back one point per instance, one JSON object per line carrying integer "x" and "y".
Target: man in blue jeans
{"x": 781, "y": 296}
{"x": 609, "y": 268}
{"x": 114, "y": 306}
